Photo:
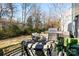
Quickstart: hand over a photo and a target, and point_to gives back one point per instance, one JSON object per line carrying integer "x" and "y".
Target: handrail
{"x": 13, "y": 50}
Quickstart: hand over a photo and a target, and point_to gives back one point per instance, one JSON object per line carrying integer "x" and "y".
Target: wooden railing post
{"x": 22, "y": 46}
{"x": 1, "y": 52}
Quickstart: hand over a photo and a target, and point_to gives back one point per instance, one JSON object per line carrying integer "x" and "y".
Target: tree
{"x": 26, "y": 8}
{"x": 29, "y": 22}
{"x": 10, "y": 6}
{"x": 10, "y": 10}
{"x": 0, "y": 10}
{"x": 36, "y": 13}
{"x": 44, "y": 19}
{"x": 58, "y": 12}
{"x": 53, "y": 24}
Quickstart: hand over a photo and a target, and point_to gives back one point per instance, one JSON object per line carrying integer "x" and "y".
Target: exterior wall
{"x": 66, "y": 19}
{"x": 75, "y": 12}
{"x": 71, "y": 27}
{"x": 75, "y": 9}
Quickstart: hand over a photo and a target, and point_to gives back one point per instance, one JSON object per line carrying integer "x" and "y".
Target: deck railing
{"x": 12, "y": 50}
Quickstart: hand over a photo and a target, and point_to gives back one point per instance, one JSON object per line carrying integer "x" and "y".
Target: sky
{"x": 46, "y": 8}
